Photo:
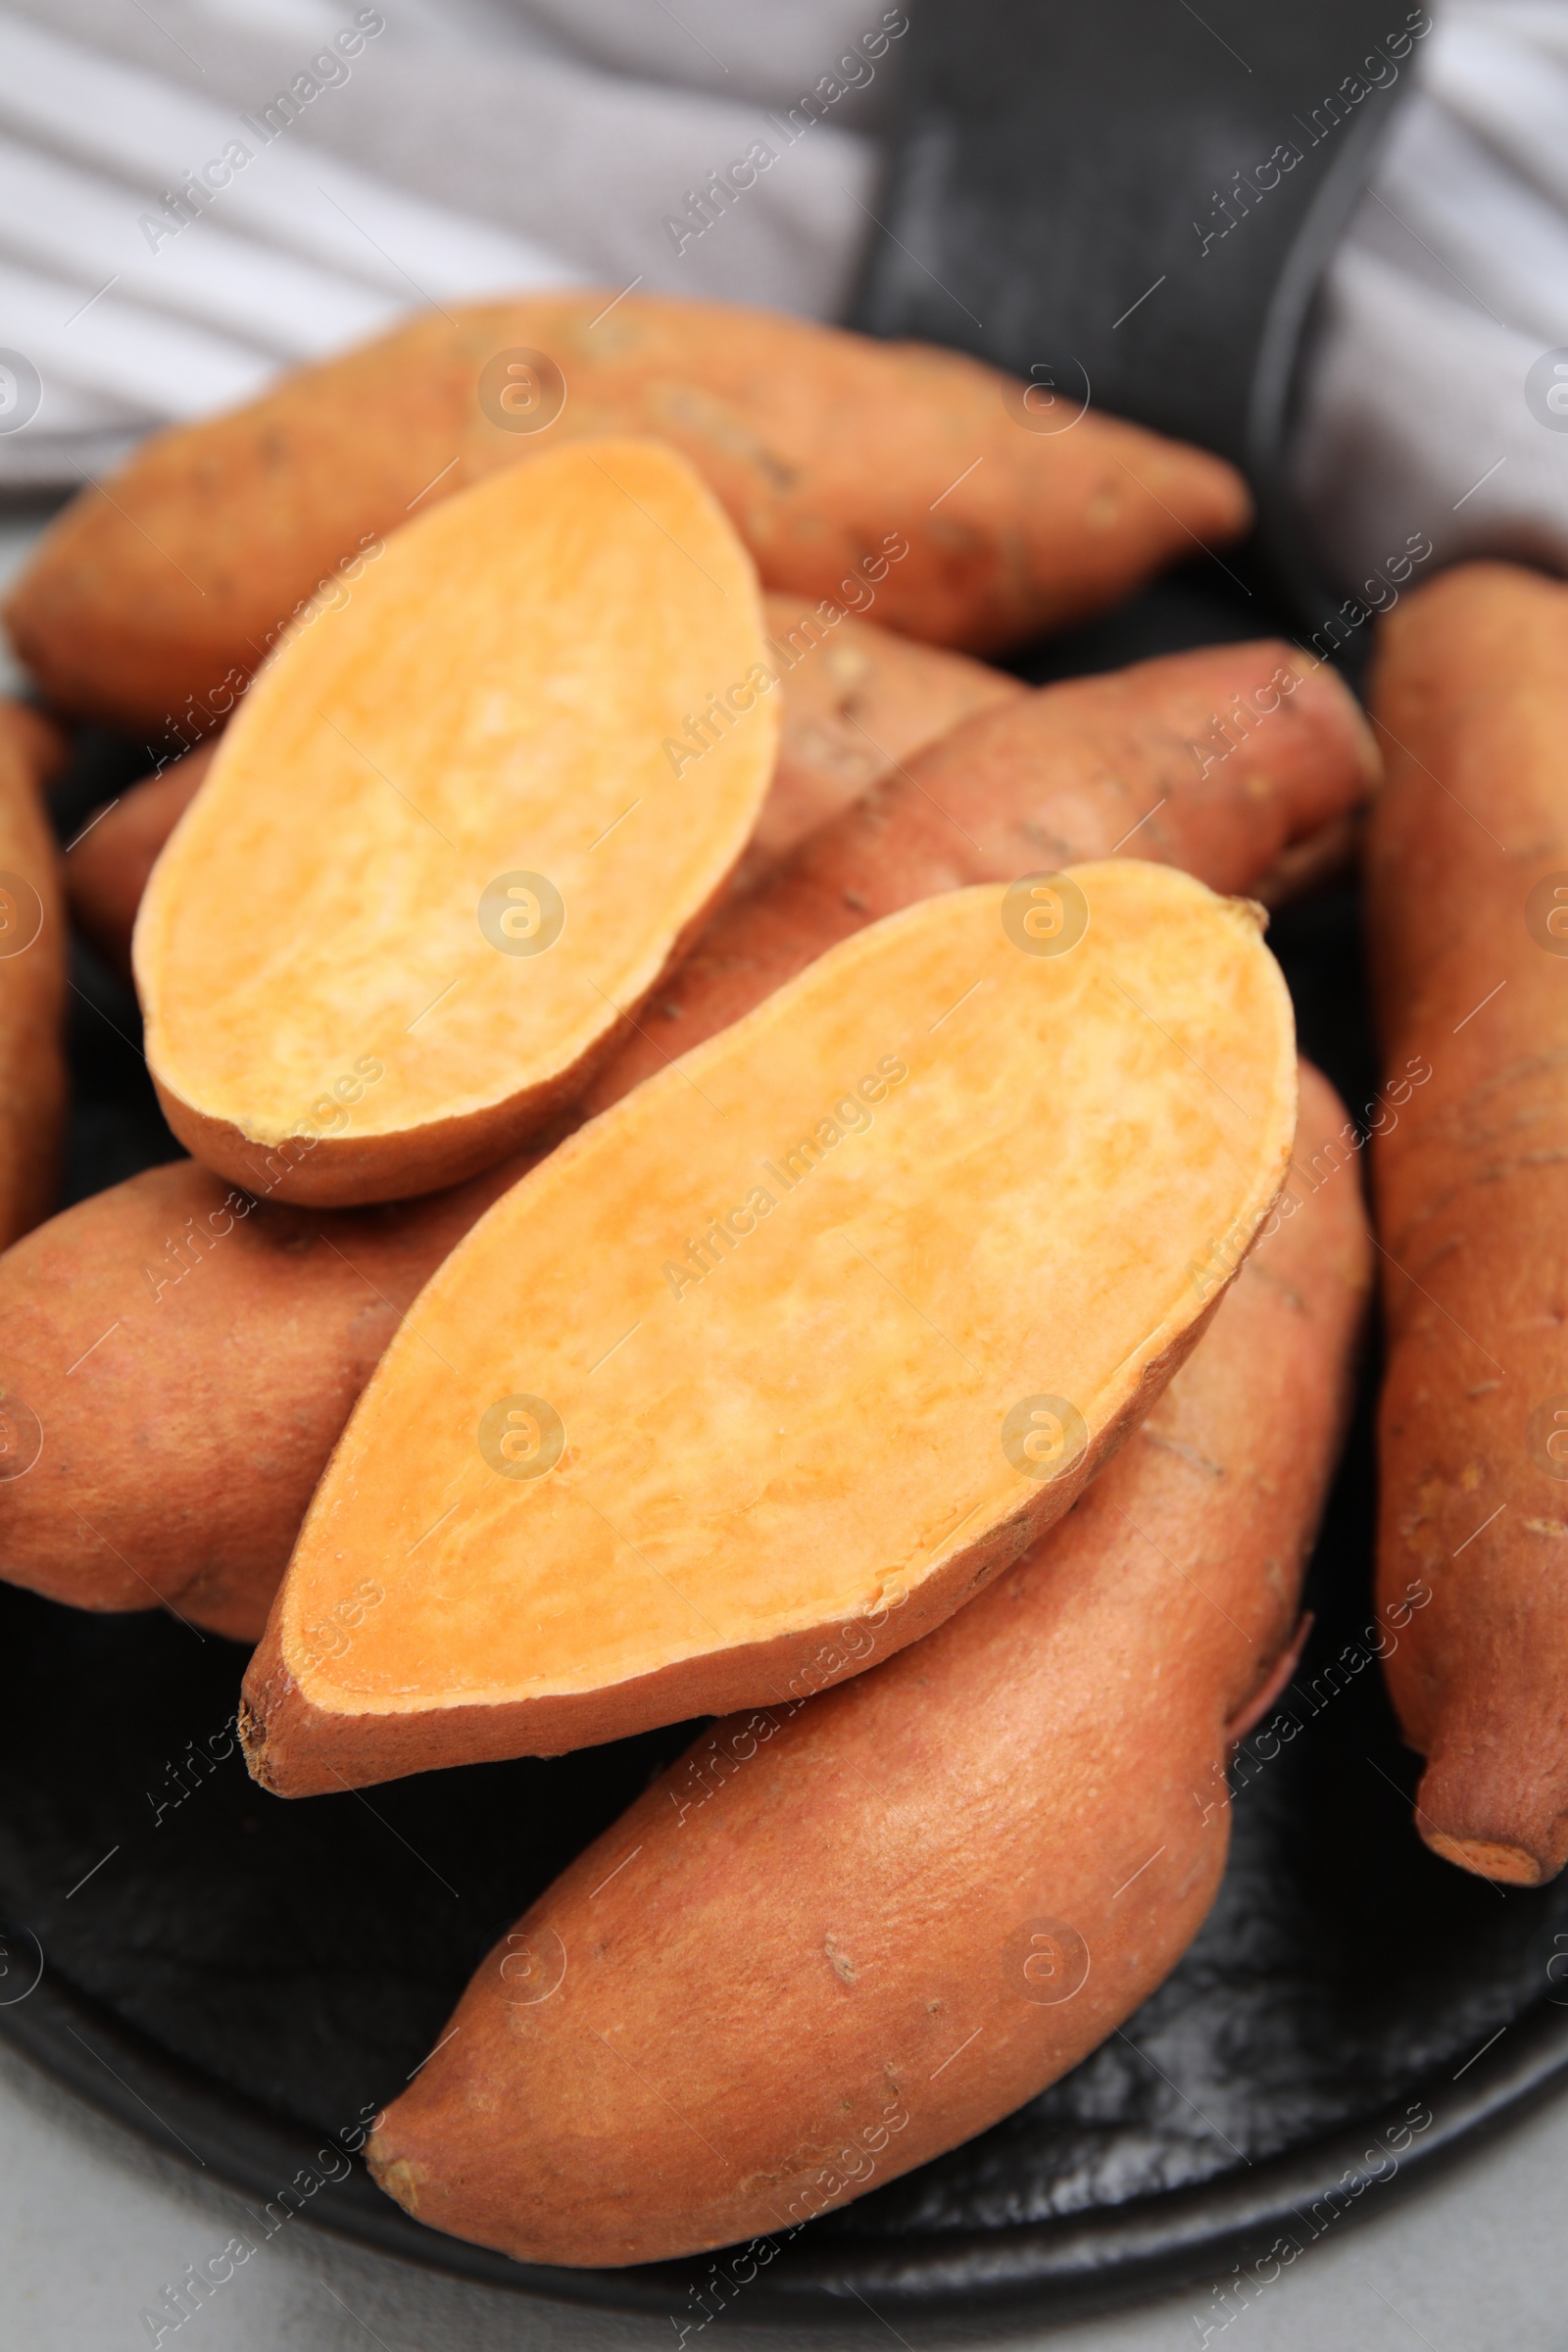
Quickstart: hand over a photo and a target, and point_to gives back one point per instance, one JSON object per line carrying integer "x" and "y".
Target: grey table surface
{"x": 94, "y": 2223}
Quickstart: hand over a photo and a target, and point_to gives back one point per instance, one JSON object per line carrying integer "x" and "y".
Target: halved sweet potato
{"x": 448, "y": 833}
{"x": 855, "y": 700}
{"x": 851, "y": 1302}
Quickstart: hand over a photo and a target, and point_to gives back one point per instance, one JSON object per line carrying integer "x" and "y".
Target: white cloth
{"x": 472, "y": 146}
{"x": 1424, "y": 415}
{"x": 460, "y": 150}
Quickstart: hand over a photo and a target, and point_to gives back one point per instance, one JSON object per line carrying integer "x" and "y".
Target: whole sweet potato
{"x": 108, "y": 864}
{"x": 857, "y": 700}
{"x": 32, "y": 976}
{"x": 845, "y": 1933}
{"x": 1469, "y": 933}
{"x": 187, "y": 1356}
{"x": 890, "y": 475}
{"x": 1092, "y": 759}
{"x": 1072, "y": 771}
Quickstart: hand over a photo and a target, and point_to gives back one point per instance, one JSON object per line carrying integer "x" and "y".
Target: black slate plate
{"x": 243, "y": 1979}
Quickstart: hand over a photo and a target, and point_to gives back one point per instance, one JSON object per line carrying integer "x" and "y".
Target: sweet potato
{"x": 1070, "y": 772}
{"x": 1097, "y": 756}
{"x": 852, "y": 469}
{"x": 845, "y": 1933}
{"x": 855, "y": 700}
{"x": 853, "y": 1299}
{"x": 108, "y": 864}
{"x": 186, "y": 1356}
{"x": 1468, "y": 884}
{"x": 32, "y": 987}
{"x": 445, "y": 840}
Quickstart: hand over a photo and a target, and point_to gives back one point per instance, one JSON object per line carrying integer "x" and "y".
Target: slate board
{"x": 242, "y": 1977}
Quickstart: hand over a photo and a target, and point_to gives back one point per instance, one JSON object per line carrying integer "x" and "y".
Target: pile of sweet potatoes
{"x": 746, "y": 1163}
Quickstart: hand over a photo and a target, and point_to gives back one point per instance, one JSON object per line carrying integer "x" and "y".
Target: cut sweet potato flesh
{"x": 774, "y": 1363}
{"x": 444, "y": 841}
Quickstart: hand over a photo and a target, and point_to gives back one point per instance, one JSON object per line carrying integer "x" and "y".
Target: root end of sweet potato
{"x": 1486, "y": 1858}
{"x": 249, "y": 1721}
{"x": 1476, "y": 1807}
{"x": 397, "y": 2175}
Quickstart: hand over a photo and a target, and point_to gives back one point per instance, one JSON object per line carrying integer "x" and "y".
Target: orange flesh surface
{"x": 493, "y": 698}
{"x": 1075, "y": 1159}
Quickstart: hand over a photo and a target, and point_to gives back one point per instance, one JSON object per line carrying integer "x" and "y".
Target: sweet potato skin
{"x": 857, "y": 700}
{"x": 1471, "y": 1179}
{"x": 1059, "y": 776}
{"x": 190, "y": 1354}
{"x": 858, "y": 1878}
{"x": 355, "y": 1172}
{"x": 1098, "y": 755}
{"x": 153, "y": 601}
{"x": 33, "y": 975}
{"x": 107, "y": 868}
